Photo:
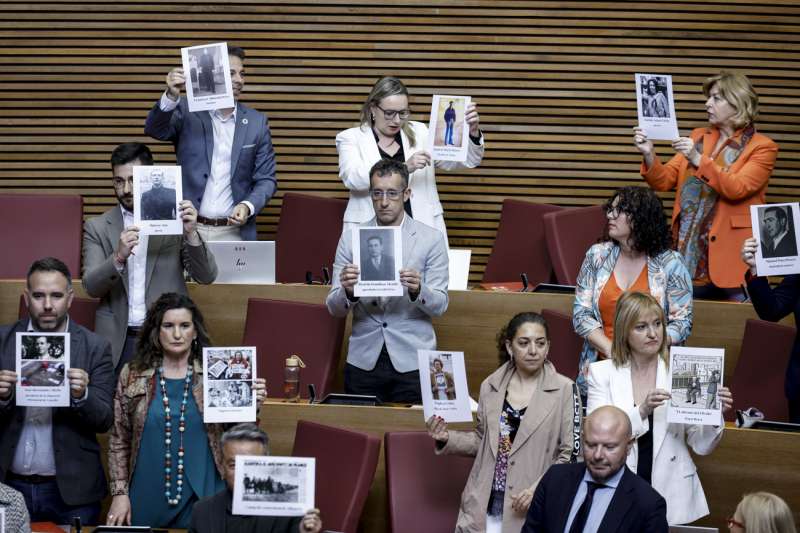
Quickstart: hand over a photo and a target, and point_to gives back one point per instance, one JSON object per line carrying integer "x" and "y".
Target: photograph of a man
{"x": 777, "y": 230}
{"x": 378, "y": 263}
{"x": 207, "y": 60}
{"x": 449, "y": 121}
{"x": 159, "y": 202}
{"x": 43, "y": 347}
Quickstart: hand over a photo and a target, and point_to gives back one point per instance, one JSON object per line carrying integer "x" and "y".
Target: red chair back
{"x": 565, "y": 344}
{"x": 345, "y": 466}
{"x": 569, "y": 234}
{"x": 758, "y": 380}
{"x": 25, "y": 216}
{"x": 423, "y": 489}
{"x": 308, "y": 232}
{"x": 81, "y": 311}
{"x": 520, "y": 245}
{"x": 281, "y": 328}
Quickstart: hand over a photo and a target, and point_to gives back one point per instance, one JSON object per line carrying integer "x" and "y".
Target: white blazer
{"x": 674, "y": 473}
{"x": 358, "y": 151}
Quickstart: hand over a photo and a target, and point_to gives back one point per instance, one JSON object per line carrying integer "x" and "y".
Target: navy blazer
{"x": 635, "y": 507}
{"x": 80, "y": 476}
{"x": 252, "y": 156}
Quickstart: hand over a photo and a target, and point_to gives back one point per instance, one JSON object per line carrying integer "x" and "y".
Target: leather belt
{"x": 212, "y": 221}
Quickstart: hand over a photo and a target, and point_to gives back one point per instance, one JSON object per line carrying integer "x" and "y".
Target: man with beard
{"x": 129, "y": 271}
{"x": 226, "y": 155}
{"x": 51, "y": 454}
{"x": 583, "y": 497}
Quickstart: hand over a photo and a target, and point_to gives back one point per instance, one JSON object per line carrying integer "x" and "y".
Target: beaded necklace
{"x": 168, "y": 437}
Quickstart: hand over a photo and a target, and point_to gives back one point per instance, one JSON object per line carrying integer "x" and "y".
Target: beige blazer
{"x": 544, "y": 438}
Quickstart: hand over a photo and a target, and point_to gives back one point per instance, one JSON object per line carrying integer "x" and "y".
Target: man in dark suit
{"x": 214, "y": 514}
{"x": 781, "y": 237}
{"x": 159, "y": 202}
{"x": 378, "y": 266}
{"x": 226, "y": 156}
{"x": 51, "y": 454}
{"x": 599, "y": 495}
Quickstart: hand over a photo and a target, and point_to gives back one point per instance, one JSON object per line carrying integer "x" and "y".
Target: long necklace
{"x": 168, "y": 437}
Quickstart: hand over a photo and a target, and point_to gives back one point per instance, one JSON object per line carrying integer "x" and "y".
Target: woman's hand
{"x": 120, "y": 512}
{"x": 260, "y": 388}
{"x": 642, "y": 143}
{"x": 654, "y": 398}
{"x": 685, "y": 147}
{"x": 437, "y": 429}
{"x": 417, "y": 161}
{"x": 311, "y": 522}
{"x": 725, "y": 398}
{"x": 749, "y": 248}
{"x": 522, "y": 500}
{"x": 472, "y": 118}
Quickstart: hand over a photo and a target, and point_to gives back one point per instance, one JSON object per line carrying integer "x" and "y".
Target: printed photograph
{"x": 450, "y": 121}
{"x": 42, "y": 374}
{"x": 776, "y": 227}
{"x": 654, "y": 95}
{"x": 377, "y": 257}
{"x": 159, "y": 200}
{"x": 230, "y": 393}
{"x": 206, "y": 72}
{"x": 443, "y": 386}
{"x": 275, "y": 483}
{"x": 695, "y": 381}
{"x": 42, "y": 347}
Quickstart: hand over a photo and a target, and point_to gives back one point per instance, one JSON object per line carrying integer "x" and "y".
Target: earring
{"x": 372, "y": 117}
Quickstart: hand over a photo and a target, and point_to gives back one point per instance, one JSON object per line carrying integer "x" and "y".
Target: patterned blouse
{"x": 510, "y": 420}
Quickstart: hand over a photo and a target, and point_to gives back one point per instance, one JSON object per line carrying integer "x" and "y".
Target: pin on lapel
{"x": 244, "y": 121}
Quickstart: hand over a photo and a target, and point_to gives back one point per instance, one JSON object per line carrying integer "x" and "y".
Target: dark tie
{"x": 583, "y": 511}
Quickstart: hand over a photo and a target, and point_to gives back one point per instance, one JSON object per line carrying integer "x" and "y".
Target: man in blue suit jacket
{"x": 226, "y": 156}
{"x": 599, "y": 495}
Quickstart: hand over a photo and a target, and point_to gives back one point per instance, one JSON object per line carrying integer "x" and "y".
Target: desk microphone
{"x": 326, "y": 276}
{"x": 312, "y": 393}
{"x": 524, "y": 278}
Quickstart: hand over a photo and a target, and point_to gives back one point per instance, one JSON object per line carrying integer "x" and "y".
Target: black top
{"x": 398, "y": 156}
{"x": 213, "y": 515}
{"x": 644, "y": 465}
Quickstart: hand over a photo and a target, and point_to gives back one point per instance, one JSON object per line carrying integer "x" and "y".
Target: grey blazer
{"x": 166, "y": 257}
{"x": 404, "y": 325}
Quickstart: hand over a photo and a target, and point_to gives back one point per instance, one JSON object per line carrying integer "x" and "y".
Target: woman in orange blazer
{"x": 717, "y": 173}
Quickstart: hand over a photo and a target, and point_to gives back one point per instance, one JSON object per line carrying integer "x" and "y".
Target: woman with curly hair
{"x": 635, "y": 256}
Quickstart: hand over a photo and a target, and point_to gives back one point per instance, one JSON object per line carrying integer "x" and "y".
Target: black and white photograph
{"x": 656, "y": 107}
{"x": 157, "y": 191}
{"x": 274, "y": 486}
{"x": 695, "y": 379}
{"x": 208, "y": 77}
{"x": 228, "y": 384}
{"x": 774, "y": 229}
{"x": 443, "y": 382}
{"x": 42, "y": 363}
{"x": 448, "y": 127}
{"x": 376, "y": 251}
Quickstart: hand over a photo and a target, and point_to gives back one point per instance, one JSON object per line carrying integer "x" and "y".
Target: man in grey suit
{"x": 388, "y": 331}
{"x": 226, "y": 156}
{"x": 51, "y": 454}
{"x": 129, "y": 271}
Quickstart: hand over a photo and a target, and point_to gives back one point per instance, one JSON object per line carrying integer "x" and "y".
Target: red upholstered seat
{"x": 308, "y": 232}
{"x": 569, "y": 234}
{"x": 81, "y": 311}
{"x": 423, "y": 489}
{"x": 37, "y": 226}
{"x": 565, "y": 344}
{"x": 345, "y": 467}
{"x": 281, "y": 328}
{"x": 520, "y": 244}
{"x": 761, "y": 369}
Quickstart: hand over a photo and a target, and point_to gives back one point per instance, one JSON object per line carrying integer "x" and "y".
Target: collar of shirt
{"x": 778, "y": 239}
{"x": 217, "y": 115}
{"x": 66, "y": 326}
{"x": 611, "y": 482}
{"x": 127, "y": 216}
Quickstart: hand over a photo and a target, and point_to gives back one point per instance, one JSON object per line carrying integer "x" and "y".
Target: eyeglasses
{"x": 391, "y": 194}
{"x": 732, "y": 522}
{"x": 612, "y": 211}
{"x": 389, "y": 114}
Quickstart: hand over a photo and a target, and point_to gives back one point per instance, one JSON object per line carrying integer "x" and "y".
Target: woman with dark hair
{"x": 634, "y": 256}
{"x": 386, "y": 132}
{"x": 162, "y": 458}
{"x": 654, "y": 102}
{"x": 526, "y": 422}
{"x": 717, "y": 173}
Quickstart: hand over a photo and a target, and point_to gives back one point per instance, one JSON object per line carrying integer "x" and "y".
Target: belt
{"x": 134, "y": 330}
{"x": 34, "y": 479}
{"x": 212, "y": 221}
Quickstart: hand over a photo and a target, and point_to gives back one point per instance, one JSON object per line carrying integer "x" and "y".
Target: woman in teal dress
{"x": 162, "y": 458}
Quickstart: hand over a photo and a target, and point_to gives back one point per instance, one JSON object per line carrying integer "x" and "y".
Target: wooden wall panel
{"x": 553, "y": 81}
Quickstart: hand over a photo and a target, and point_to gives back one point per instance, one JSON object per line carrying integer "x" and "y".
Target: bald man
{"x": 599, "y": 495}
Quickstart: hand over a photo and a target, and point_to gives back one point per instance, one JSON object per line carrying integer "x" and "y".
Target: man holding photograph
{"x": 51, "y": 455}
{"x": 226, "y": 156}
{"x": 214, "y": 514}
{"x": 158, "y": 203}
{"x": 388, "y": 331}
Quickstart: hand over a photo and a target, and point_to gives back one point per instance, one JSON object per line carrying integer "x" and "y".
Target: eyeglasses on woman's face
{"x": 390, "y": 114}
{"x": 735, "y": 525}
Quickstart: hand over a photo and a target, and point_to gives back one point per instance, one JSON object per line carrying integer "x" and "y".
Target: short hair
{"x": 49, "y": 264}
{"x": 738, "y": 91}
{"x": 128, "y": 152}
{"x": 375, "y": 238}
{"x": 246, "y": 432}
{"x": 236, "y": 51}
{"x": 763, "y": 512}
{"x": 780, "y": 214}
{"x": 649, "y": 230}
{"x": 387, "y": 167}
{"x": 385, "y": 87}
{"x": 509, "y": 331}
{"x": 630, "y": 308}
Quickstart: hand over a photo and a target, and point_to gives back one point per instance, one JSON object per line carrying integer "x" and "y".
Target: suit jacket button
{"x": 374, "y": 303}
{"x": 423, "y": 301}
{"x": 385, "y": 324}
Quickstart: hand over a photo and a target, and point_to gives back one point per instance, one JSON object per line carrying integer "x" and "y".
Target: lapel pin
{"x": 244, "y": 121}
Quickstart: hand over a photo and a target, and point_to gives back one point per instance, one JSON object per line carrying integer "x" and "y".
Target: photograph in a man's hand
{"x": 207, "y": 70}
{"x": 157, "y": 192}
{"x": 42, "y": 363}
{"x": 43, "y": 347}
{"x": 778, "y": 245}
{"x": 277, "y": 486}
{"x": 378, "y": 252}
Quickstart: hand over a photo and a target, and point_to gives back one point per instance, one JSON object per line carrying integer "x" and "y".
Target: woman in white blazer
{"x": 386, "y": 132}
{"x": 636, "y": 379}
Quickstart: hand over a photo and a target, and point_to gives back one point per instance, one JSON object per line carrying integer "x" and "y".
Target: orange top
{"x": 611, "y": 293}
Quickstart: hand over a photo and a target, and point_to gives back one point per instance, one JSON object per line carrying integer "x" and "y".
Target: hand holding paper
{"x": 8, "y": 379}
{"x": 472, "y": 118}
{"x": 176, "y": 81}
{"x": 437, "y": 428}
{"x": 78, "y": 381}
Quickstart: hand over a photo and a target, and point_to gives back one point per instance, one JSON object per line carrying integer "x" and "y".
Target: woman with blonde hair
{"x": 636, "y": 379}
{"x": 762, "y": 512}
{"x": 717, "y": 173}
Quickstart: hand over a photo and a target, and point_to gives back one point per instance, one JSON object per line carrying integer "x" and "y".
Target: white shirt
{"x": 137, "y": 274}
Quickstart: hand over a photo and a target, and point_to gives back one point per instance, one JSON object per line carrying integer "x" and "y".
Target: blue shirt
{"x": 600, "y": 503}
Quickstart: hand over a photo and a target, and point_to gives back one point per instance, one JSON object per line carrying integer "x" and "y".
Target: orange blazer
{"x": 739, "y": 186}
